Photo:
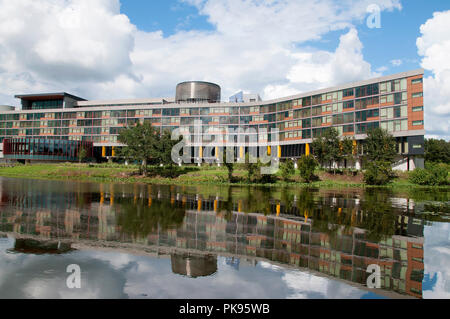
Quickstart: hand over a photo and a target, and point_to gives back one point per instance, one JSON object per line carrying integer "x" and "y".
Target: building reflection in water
{"x": 194, "y": 265}
{"x": 337, "y": 235}
{"x": 40, "y": 247}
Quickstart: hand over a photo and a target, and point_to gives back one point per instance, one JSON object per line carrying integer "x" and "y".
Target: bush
{"x": 262, "y": 178}
{"x": 166, "y": 171}
{"x": 287, "y": 170}
{"x": 307, "y": 165}
{"x": 433, "y": 175}
{"x": 379, "y": 173}
{"x": 420, "y": 176}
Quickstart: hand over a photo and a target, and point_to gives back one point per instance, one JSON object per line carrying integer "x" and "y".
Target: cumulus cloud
{"x": 49, "y": 44}
{"x": 434, "y": 47}
{"x": 319, "y": 69}
{"x": 397, "y": 62}
{"x": 91, "y": 49}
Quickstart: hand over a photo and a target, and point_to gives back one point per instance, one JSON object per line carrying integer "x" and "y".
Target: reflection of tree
{"x": 229, "y": 205}
{"x": 376, "y": 214}
{"x": 436, "y": 194}
{"x": 379, "y": 216}
{"x": 139, "y": 219}
{"x": 305, "y": 202}
{"x": 288, "y": 198}
{"x": 82, "y": 199}
{"x": 258, "y": 200}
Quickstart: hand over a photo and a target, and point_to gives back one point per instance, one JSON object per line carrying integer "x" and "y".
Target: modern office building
{"x": 394, "y": 103}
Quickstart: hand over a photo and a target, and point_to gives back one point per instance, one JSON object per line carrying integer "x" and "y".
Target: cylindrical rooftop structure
{"x": 198, "y": 92}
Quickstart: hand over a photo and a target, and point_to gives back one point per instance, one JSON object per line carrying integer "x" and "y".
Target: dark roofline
{"x": 61, "y": 94}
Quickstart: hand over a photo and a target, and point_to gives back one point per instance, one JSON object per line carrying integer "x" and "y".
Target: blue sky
{"x": 169, "y": 16}
{"x": 395, "y": 40}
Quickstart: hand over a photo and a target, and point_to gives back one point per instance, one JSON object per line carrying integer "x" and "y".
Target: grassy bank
{"x": 206, "y": 175}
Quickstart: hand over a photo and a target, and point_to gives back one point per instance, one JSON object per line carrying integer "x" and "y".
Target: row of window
{"x": 44, "y": 105}
{"x": 385, "y": 113}
{"x": 360, "y": 128}
{"x": 359, "y": 92}
{"x": 345, "y": 118}
{"x": 398, "y": 98}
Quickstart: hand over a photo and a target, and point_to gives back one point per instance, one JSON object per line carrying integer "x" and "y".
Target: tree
{"x": 307, "y": 165}
{"x": 380, "y": 146}
{"x": 318, "y": 148}
{"x": 287, "y": 169}
{"x": 228, "y": 164}
{"x": 144, "y": 143}
{"x": 82, "y": 154}
{"x": 380, "y": 150}
{"x": 433, "y": 175}
{"x": 347, "y": 149}
{"x": 437, "y": 151}
{"x": 379, "y": 173}
{"x": 252, "y": 168}
{"x": 326, "y": 148}
{"x": 165, "y": 147}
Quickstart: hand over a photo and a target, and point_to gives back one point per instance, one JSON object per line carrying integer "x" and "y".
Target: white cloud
{"x": 382, "y": 69}
{"x": 434, "y": 46}
{"x": 314, "y": 70}
{"x": 437, "y": 254}
{"x": 306, "y": 285}
{"x": 397, "y": 62}
{"x": 62, "y": 44}
{"x": 90, "y": 49}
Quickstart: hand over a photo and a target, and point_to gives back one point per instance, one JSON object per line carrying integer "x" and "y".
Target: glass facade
{"x": 352, "y": 111}
{"x": 45, "y": 149}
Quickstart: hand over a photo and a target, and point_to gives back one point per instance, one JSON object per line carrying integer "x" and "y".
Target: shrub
{"x": 262, "y": 178}
{"x": 287, "y": 170}
{"x": 420, "y": 176}
{"x": 166, "y": 171}
{"x": 433, "y": 175}
{"x": 379, "y": 173}
{"x": 267, "y": 179}
{"x": 307, "y": 165}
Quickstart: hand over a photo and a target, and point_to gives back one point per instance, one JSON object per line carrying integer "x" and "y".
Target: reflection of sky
{"x": 118, "y": 275}
{"x": 436, "y": 282}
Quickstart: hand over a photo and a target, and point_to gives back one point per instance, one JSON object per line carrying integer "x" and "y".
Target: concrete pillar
{"x": 358, "y": 164}
{"x": 412, "y": 163}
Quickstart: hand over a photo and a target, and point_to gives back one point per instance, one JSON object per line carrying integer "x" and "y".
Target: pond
{"x": 195, "y": 242}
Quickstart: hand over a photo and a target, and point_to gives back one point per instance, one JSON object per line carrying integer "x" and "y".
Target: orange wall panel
{"x": 413, "y": 102}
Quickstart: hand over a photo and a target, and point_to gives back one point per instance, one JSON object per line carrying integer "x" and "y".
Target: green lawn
{"x": 206, "y": 175}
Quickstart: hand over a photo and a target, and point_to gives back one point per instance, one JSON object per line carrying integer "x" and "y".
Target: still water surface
{"x": 140, "y": 241}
